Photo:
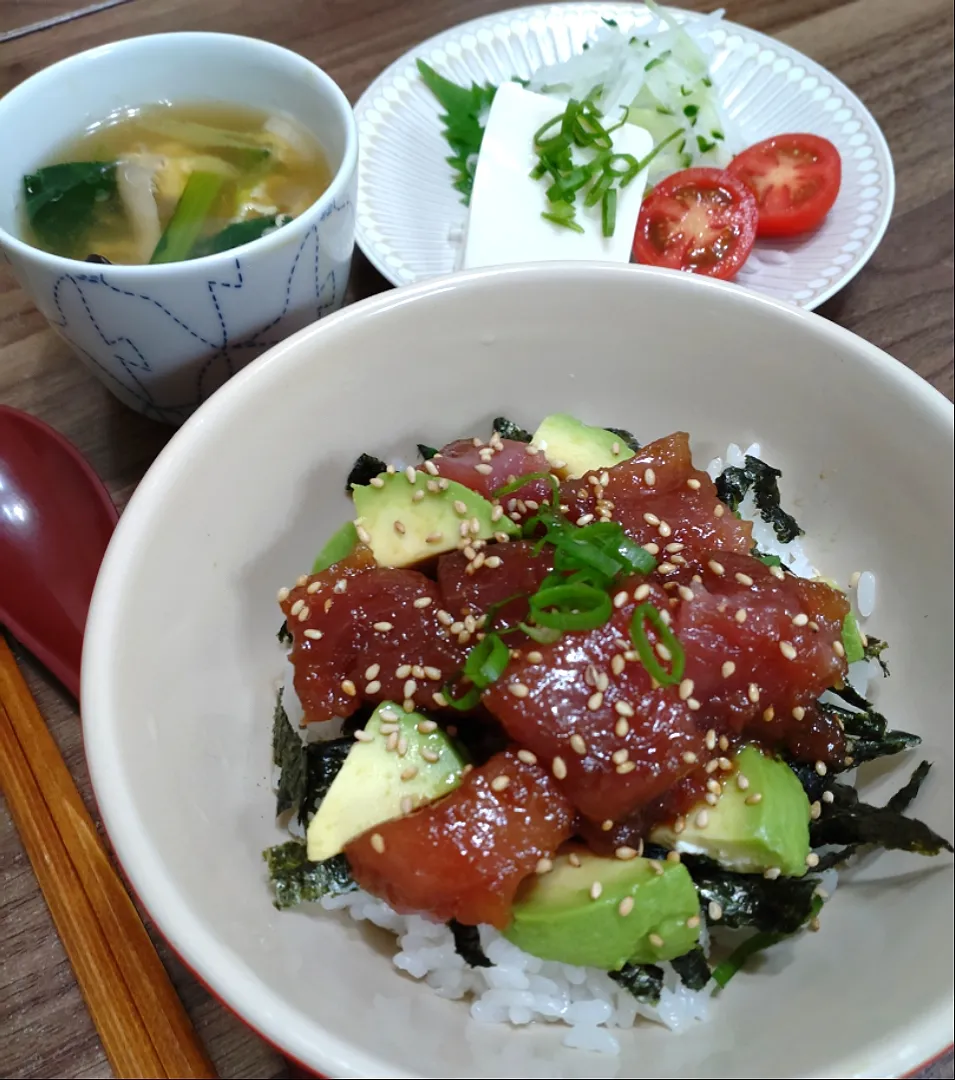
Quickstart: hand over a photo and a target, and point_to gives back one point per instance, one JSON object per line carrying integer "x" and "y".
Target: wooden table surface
{"x": 897, "y": 55}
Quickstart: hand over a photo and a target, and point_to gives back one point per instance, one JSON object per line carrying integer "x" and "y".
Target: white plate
{"x": 408, "y": 211}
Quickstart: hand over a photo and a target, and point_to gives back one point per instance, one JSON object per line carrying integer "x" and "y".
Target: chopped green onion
{"x": 657, "y": 60}
{"x": 647, "y": 613}
{"x": 469, "y": 701}
{"x": 485, "y": 663}
{"x": 664, "y": 110}
{"x": 704, "y": 144}
{"x": 544, "y": 128}
{"x": 690, "y": 111}
{"x": 185, "y": 225}
{"x": 544, "y": 635}
{"x": 523, "y": 481}
{"x": 571, "y": 607}
{"x": 567, "y": 223}
{"x": 627, "y": 162}
{"x": 717, "y": 134}
{"x": 600, "y": 186}
{"x": 574, "y": 553}
{"x": 608, "y": 212}
{"x": 640, "y": 165}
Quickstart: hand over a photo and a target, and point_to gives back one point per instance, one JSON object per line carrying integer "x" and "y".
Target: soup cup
{"x": 163, "y": 338}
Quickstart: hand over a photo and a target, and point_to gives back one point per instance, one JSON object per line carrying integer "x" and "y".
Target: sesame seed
{"x": 752, "y": 692}
{"x": 686, "y": 689}
{"x": 778, "y": 572}
{"x": 617, "y": 664}
{"x": 664, "y": 529}
{"x": 499, "y": 783}
{"x": 772, "y": 873}
{"x": 314, "y": 586}
{"x": 711, "y": 739}
{"x": 430, "y": 756}
{"x": 399, "y": 527}
{"x": 314, "y": 635}
{"x": 693, "y": 483}
{"x": 711, "y": 799}
{"x": 724, "y": 743}
{"x": 363, "y": 736}
{"x": 518, "y": 689}
{"x": 719, "y": 510}
{"x": 715, "y": 786}
{"x": 559, "y": 768}
{"x": 527, "y": 757}
{"x": 625, "y": 767}
{"x": 714, "y": 910}
{"x": 378, "y": 842}
{"x": 615, "y": 448}
{"x": 349, "y": 687}
{"x": 740, "y": 615}
{"x": 742, "y": 782}
{"x": 625, "y": 906}
{"x": 689, "y": 757}
{"x": 656, "y": 866}
{"x": 799, "y": 712}
{"x": 417, "y": 496}
{"x": 301, "y": 580}
{"x": 651, "y": 519}
{"x": 728, "y": 668}
{"x": 391, "y": 743}
{"x": 754, "y": 799}
{"x": 410, "y": 688}
{"x": 685, "y": 592}
{"x": 620, "y": 756}
{"x": 854, "y": 578}
{"x": 595, "y": 890}
{"x": 621, "y": 728}
{"x": 787, "y": 649}
{"x": 296, "y": 607}
{"x": 427, "y": 726}
{"x": 388, "y": 729}
{"x": 666, "y": 568}
{"x": 821, "y": 768}
{"x": 769, "y": 714}
{"x": 457, "y": 627}
{"x": 402, "y": 746}
{"x": 838, "y": 648}
{"x": 828, "y": 797}
{"x": 693, "y": 922}
{"x": 641, "y": 592}
{"x": 815, "y": 811}
{"x": 623, "y": 708}
{"x": 484, "y": 469}
{"x": 662, "y": 651}
{"x": 402, "y": 671}
{"x": 702, "y": 819}
{"x": 743, "y": 579}
{"x": 432, "y": 486}
{"x": 304, "y": 613}
{"x": 801, "y": 619}
{"x": 578, "y": 745}
{"x": 422, "y": 602}
{"x": 621, "y": 598}
{"x": 655, "y": 940}
{"x": 373, "y": 687}
{"x": 716, "y": 567}
{"x": 544, "y": 866}
{"x": 814, "y": 626}
{"x": 383, "y": 627}
{"x": 678, "y": 826}
{"x": 651, "y": 548}
{"x": 820, "y": 892}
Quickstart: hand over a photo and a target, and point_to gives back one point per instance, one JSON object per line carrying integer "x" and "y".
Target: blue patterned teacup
{"x": 165, "y": 337}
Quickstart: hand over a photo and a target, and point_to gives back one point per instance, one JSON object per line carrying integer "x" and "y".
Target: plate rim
{"x": 369, "y": 248}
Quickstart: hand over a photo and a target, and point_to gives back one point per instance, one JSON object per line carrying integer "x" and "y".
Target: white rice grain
{"x": 865, "y": 594}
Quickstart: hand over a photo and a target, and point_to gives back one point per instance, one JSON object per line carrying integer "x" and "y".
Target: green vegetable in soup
{"x": 62, "y": 200}
{"x": 235, "y": 235}
{"x": 185, "y": 225}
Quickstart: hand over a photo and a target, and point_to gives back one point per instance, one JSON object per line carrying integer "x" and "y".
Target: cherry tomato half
{"x": 795, "y": 179}
{"x": 702, "y": 220}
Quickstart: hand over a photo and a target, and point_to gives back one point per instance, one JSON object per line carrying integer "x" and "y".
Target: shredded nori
{"x": 426, "y": 452}
{"x": 323, "y": 762}
{"x": 867, "y": 731}
{"x": 467, "y": 944}
{"x": 692, "y": 968}
{"x": 873, "y": 649}
{"x": 644, "y": 981}
{"x": 365, "y": 468}
{"x": 288, "y": 753}
{"x": 625, "y": 436}
{"x": 904, "y": 797}
{"x": 507, "y": 429}
{"x": 284, "y": 635}
{"x": 294, "y": 879}
{"x": 725, "y": 971}
{"x": 735, "y": 482}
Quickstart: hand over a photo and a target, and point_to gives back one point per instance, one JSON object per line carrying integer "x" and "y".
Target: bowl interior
{"x": 181, "y": 653}
{"x": 60, "y": 102}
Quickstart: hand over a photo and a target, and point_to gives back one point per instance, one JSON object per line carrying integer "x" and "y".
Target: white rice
{"x": 520, "y": 989}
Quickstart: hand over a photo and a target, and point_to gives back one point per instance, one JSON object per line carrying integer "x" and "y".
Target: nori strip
{"x": 873, "y": 649}
{"x": 735, "y": 482}
{"x": 366, "y": 466}
{"x": 323, "y": 761}
{"x": 294, "y": 879}
{"x": 625, "y": 436}
{"x": 426, "y": 452}
{"x": 507, "y": 429}
{"x": 288, "y": 753}
{"x": 722, "y": 973}
{"x": 284, "y": 635}
{"x": 692, "y": 968}
{"x": 467, "y": 944}
{"x": 644, "y": 981}
{"x": 904, "y": 797}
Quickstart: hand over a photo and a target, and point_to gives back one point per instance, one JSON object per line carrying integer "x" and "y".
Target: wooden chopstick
{"x": 144, "y": 1027}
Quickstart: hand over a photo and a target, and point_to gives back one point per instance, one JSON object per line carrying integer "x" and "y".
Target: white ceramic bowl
{"x": 181, "y": 653}
{"x": 163, "y": 338}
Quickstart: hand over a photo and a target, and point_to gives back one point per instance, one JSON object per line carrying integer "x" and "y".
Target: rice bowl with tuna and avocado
{"x": 576, "y": 721}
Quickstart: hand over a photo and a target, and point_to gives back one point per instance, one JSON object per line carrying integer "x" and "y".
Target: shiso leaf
{"x": 366, "y": 466}
{"x": 288, "y": 754}
{"x": 467, "y": 944}
{"x": 733, "y": 484}
{"x": 625, "y": 436}
{"x": 644, "y": 981}
{"x": 507, "y": 429}
{"x": 692, "y": 968}
{"x": 295, "y": 880}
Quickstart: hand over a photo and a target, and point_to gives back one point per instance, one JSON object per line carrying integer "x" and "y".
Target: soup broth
{"x": 171, "y": 182}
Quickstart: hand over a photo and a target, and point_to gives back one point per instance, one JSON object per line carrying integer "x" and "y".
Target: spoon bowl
{"x": 56, "y": 519}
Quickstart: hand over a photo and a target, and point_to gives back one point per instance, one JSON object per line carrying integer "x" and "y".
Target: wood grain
{"x": 898, "y": 57}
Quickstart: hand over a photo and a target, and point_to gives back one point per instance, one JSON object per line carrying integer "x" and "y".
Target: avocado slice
{"x": 576, "y": 447}
{"x": 408, "y": 522}
{"x": 762, "y": 827}
{"x": 644, "y": 911}
{"x": 374, "y": 783}
{"x": 337, "y": 547}
{"x": 852, "y": 640}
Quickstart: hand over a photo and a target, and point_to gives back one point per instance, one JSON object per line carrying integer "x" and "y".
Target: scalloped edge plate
{"x": 408, "y": 211}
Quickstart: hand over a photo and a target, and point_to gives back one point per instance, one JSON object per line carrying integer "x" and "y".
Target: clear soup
{"x": 171, "y": 182}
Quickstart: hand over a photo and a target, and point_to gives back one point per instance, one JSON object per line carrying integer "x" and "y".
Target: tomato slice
{"x": 701, "y": 220}
{"x": 795, "y": 179}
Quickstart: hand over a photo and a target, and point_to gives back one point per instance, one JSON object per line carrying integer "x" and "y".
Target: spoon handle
{"x": 66, "y": 850}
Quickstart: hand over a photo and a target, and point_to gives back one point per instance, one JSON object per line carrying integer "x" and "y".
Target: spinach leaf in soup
{"x": 62, "y": 201}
